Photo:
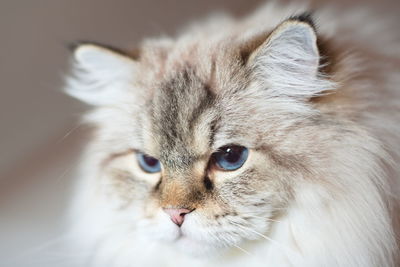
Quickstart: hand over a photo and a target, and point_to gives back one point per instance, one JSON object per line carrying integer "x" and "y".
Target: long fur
{"x": 321, "y": 185}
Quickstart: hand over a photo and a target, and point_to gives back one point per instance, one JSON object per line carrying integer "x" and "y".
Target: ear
{"x": 101, "y": 74}
{"x": 288, "y": 61}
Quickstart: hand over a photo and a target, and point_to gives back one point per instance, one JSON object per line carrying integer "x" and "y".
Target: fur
{"x": 316, "y": 105}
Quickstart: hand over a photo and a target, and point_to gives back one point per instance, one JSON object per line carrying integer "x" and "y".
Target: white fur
{"x": 101, "y": 76}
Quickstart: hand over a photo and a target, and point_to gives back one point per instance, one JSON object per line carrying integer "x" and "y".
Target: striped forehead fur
{"x": 176, "y": 111}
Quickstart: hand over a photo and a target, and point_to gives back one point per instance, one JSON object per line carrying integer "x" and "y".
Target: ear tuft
{"x": 305, "y": 17}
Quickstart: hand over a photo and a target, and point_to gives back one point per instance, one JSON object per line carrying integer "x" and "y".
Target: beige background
{"x": 36, "y": 158}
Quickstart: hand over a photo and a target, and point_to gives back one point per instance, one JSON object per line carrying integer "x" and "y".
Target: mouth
{"x": 192, "y": 238}
{"x": 180, "y": 235}
{"x": 196, "y": 247}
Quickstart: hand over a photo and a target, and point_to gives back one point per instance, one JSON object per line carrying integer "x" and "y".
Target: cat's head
{"x": 203, "y": 141}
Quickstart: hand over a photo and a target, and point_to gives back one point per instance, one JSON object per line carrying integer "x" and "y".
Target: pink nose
{"x": 177, "y": 215}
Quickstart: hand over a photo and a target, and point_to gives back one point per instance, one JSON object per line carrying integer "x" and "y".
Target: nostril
{"x": 177, "y": 215}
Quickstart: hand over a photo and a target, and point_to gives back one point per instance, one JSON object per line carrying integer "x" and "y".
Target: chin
{"x": 197, "y": 242}
{"x": 197, "y": 249}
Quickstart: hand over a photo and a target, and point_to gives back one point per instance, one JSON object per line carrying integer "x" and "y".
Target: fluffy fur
{"x": 317, "y": 106}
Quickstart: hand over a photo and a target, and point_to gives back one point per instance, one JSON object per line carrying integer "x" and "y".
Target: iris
{"x": 148, "y": 164}
{"x": 230, "y": 158}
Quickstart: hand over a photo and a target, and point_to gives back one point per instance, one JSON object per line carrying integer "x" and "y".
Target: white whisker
{"x": 260, "y": 235}
{"x": 68, "y": 133}
{"x": 259, "y": 217}
{"x": 243, "y": 250}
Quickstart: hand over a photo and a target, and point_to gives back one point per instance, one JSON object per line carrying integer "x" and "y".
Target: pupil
{"x": 150, "y": 161}
{"x": 232, "y": 155}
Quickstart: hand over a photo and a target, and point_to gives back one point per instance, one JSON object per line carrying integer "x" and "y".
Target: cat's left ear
{"x": 101, "y": 74}
{"x": 287, "y": 63}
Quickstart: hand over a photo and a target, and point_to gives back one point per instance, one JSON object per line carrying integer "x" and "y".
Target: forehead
{"x": 182, "y": 118}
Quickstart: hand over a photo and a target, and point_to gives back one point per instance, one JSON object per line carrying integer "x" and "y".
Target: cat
{"x": 271, "y": 140}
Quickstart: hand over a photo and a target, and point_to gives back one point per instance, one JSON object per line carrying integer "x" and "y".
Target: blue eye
{"x": 230, "y": 158}
{"x": 148, "y": 164}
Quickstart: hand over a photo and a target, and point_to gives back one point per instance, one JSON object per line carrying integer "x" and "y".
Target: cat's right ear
{"x": 100, "y": 74}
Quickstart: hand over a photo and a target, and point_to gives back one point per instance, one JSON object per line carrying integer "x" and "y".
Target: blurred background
{"x": 40, "y": 135}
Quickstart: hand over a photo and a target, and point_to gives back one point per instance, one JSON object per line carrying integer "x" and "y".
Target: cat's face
{"x": 181, "y": 163}
{"x": 203, "y": 153}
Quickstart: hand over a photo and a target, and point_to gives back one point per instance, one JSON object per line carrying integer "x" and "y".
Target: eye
{"x": 230, "y": 158}
{"x": 148, "y": 164}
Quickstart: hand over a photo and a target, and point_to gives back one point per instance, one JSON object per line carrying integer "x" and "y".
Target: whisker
{"x": 260, "y": 235}
{"x": 251, "y": 230}
{"x": 243, "y": 250}
{"x": 260, "y": 217}
{"x": 65, "y": 136}
{"x": 65, "y": 172}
